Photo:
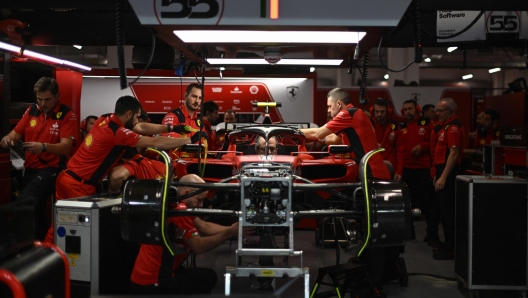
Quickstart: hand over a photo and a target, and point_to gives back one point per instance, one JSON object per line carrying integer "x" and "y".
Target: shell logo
{"x": 89, "y": 140}
{"x": 33, "y": 123}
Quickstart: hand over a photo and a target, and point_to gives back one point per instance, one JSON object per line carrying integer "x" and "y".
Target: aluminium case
{"x": 491, "y": 233}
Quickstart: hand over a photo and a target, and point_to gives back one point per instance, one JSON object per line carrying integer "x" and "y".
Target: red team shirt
{"x": 356, "y": 130}
{"x": 411, "y": 134}
{"x": 99, "y": 152}
{"x": 451, "y": 134}
{"x": 35, "y": 126}
{"x": 154, "y": 264}
{"x": 386, "y": 137}
{"x": 145, "y": 168}
{"x": 180, "y": 116}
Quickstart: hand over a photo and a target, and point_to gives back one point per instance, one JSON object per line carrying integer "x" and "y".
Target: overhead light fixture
{"x": 386, "y": 76}
{"x": 312, "y": 69}
{"x": 494, "y": 70}
{"x": 17, "y": 51}
{"x": 77, "y": 46}
{"x": 467, "y": 77}
{"x": 254, "y": 36}
{"x": 427, "y": 60}
{"x": 450, "y": 49}
{"x": 253, "y": 61}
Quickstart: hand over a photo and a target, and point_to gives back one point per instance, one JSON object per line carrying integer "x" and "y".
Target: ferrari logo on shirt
{"x": 198, "y": 122}
{"x": 422, "y": 122}
{"x": 497, "y": 133}
{"x": 59, "y": 114}
{"x": 89, "y": 140}
{"x": 102, "y": 123}
{"x": 33, "y": 123}
{"x": 393, "y": 126}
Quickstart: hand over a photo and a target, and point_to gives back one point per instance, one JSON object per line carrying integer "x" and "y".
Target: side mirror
{"x": 338, "y": 149}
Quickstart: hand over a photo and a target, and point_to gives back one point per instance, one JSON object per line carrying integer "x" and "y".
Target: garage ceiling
{"x": 92, "y": 24}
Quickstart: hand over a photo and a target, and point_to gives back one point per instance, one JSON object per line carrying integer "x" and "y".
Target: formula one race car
{"x": 272, "y": 192}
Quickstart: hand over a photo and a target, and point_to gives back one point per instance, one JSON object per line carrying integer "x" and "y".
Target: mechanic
{"x": 106, "y": 143}
{"x": 157, "y": 272}
{"x": 386, "y": 129}
{"x": 49, "y": 130}
{"x": 447, "y": 157}
{"x": 490, "y": 129}
{"x": 414, "y": 161}
{"x": 479, "y": 122}
{"x": 143, "y": 117}
{"x": 260, "y": 146}
{"x": 351, "y": 127}
{"x": 230, "y": 116}
{"x": 187, "y": 113}
{"x": 86, "y": 125}
{"x": 210, "y": 116}
{"x": 428, "y": 111}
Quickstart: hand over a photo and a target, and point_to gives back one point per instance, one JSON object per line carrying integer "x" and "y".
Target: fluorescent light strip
{"x": 310, "y": 62}
{"x": 466, "y": 77}
{"x": 289, "y": 37}
{"x": 494, "y": 70}
{"x": 31, "y": 54}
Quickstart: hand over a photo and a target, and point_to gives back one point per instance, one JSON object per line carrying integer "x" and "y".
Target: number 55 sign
{"x": 503, "y": 22}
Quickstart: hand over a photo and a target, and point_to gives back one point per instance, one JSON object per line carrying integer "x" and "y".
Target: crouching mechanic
{"x": 157, "y": 272}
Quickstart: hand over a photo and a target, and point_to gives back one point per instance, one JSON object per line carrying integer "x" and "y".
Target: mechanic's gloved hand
{"x": 181, "y": 129}
{"x": 197, "y": 136}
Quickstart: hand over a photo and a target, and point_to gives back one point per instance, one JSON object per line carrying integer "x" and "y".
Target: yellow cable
{"x": 164, "y": 200}
{"x": 367, "y": 200}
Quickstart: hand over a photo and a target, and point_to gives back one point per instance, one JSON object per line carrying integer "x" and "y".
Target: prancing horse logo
{"x": 292, "y": 92}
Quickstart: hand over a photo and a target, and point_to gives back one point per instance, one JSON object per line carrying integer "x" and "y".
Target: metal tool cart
{"x": 100, "y": 260}
{"x": 491, "y": 233}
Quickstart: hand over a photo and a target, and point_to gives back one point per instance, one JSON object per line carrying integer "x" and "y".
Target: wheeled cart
{"x": 491, "y": 234}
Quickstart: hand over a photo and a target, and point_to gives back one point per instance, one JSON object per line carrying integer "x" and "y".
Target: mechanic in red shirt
{"x": 157, "y": 272}
{"x": 186, "y": 114}
{"x": 414, "y": 159}
{"x": 447, "y": 157}
{"x": 210, "y": 116}
{"x": 49, "y": 130}
{"x": 490, "y": 129}
{"x": 386, "y": 129}
{"x": 351, "y": 127}
{"x": 106, "y": 143}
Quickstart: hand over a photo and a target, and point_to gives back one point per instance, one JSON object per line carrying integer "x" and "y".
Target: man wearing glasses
{"x": 448, "y": 135}
{"x": 260, "y": 146}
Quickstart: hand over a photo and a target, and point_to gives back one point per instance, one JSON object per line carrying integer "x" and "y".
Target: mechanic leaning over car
{"x": 157, "y": 272}
{"x": 49, "y": 130}
{"x": 104, "y": 146}
{"x": 350, "y": 126}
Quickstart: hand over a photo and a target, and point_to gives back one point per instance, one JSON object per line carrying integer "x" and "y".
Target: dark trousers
{"x": 186, "y": 281}
{"x": 421, "y": 189}
{"x": 38, "y": 186}
{"x": 444, "y": 206}
{"x": 378, "y": 260}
